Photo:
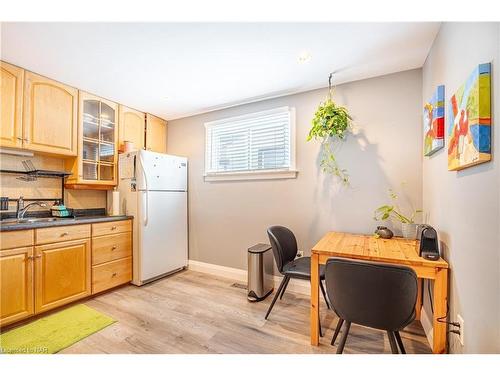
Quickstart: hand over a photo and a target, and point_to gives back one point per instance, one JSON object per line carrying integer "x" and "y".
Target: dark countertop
{"x": 4, "y": 227}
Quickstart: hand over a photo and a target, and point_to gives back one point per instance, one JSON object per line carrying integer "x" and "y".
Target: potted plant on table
{"x": 394, "y": 212}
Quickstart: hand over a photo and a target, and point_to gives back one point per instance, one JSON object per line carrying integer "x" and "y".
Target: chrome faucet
{"x": 21, "y": 209}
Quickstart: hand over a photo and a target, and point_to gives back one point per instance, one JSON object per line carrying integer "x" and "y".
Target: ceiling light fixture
{"x": 304, "y": 57}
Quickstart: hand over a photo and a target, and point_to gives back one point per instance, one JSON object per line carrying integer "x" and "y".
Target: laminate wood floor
{"x": 192, "y": 312}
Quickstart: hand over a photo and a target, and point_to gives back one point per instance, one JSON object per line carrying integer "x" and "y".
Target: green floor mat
{"x": 54, "y": 332}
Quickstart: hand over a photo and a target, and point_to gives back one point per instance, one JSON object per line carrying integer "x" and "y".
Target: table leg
{"x": 418, "y": 305}
{"x": 314, "y": 299}
{"x": 440, "y": 307}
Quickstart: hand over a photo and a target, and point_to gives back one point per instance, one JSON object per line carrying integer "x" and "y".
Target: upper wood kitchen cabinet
{"x": 11, "y": 98}
{"x": 49, "y": 116}
{"x": 95, "y": 165}
{"x": 131, "y": 127}
{"x": 156, "y": 134}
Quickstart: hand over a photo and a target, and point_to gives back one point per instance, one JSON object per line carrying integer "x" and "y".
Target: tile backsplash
{"x": 11, "y": 187}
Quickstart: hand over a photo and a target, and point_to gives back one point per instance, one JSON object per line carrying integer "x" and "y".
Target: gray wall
{"x": 225, "y": 218}
{"x": 464, "y": 205}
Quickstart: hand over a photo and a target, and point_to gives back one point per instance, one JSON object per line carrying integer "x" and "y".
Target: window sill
{"x": 246, "y": 176}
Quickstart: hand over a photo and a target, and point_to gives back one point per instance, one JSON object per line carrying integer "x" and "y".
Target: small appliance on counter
{"x": 427, "y": 242}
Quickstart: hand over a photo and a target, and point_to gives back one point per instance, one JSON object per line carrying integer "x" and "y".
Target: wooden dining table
{"x": 396, "y": 250}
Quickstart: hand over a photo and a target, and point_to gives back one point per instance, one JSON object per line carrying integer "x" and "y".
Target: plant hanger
{"x": 330, "y": 87}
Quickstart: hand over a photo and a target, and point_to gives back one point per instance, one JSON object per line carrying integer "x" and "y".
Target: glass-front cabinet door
{"x": 98, "y": 137}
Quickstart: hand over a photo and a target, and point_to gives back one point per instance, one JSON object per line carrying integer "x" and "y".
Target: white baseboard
{"x": 296, "y": 286}
{"x": 216, "y": 270}
{"x": 426, "y": 322}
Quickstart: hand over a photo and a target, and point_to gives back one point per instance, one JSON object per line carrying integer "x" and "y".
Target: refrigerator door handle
{"x": 146, "y": 190}
{"x": 146, "y": 208}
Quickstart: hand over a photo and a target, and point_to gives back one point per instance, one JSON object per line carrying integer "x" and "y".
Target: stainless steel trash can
{"x": 260, "y": 272}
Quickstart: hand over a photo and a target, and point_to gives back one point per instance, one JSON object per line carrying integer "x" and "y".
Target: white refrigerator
{"x": 153, "y": 188}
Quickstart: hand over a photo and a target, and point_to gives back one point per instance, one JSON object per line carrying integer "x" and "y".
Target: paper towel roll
{"x": 115, "y": 197}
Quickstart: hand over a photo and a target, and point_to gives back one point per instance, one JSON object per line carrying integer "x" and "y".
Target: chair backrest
{"x": 284, "y": 245}
{"x": 376, "y": 295}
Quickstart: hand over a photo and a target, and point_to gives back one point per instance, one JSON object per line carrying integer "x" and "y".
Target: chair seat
{"x": 300, "y": 268}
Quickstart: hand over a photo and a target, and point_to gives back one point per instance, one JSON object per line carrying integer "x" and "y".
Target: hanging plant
{"x": 331, "y": 123}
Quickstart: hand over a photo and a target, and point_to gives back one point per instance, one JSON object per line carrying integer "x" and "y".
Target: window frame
{"x": 277, "y": 173}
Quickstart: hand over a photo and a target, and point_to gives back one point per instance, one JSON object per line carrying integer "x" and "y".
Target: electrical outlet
{"x": 460, "y": 321}
{"x": 300, "y": 253}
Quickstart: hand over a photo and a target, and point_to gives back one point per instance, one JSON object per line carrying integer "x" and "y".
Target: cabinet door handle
{"x": 113, "y": 248}
{"x": 20, "y": 138}
{"x": 114, "y": 274}
{"x": 113, "y": 227}
{"x": 38, "y": 256}
{"x": 64, "y": 234}
{"x": 30, "y": 257}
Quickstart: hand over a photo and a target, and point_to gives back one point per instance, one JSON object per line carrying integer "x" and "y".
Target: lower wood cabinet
{"x": 111, "y": 227}
{"x": 62, "y": 273}
{"x": 16, "y": 284}
{"x": 109, "y": 248}
{"x": 111, "y": 274}
{"x": 18, "y": 238}
{"x": 64, "y": 233}
{"x": 111, "y": 255}
{"x": 45, "y": 268}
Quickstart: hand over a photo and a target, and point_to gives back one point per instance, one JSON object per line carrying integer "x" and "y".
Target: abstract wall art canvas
{"x": 469, "y": 128}
{"x": 434, "y": 122}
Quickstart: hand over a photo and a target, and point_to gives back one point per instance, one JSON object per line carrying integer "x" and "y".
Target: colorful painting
{"x": 469, "y": 129}
{"x": 434, "y": 122}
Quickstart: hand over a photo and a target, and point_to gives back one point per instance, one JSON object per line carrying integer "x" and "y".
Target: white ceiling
{"x": 178, "y": 69}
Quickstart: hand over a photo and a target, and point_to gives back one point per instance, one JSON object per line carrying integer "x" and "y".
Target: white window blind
{"x": 257, "y": 142}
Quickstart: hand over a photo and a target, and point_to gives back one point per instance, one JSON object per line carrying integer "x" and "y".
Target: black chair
{"x": 285, "y": 250}
{"x": 376, "y": 295}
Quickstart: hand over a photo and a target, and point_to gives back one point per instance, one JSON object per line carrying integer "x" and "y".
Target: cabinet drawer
{"x": 111, "y": 274}
{"x": 112, "y": 247}
{"x": 16, "y": 238}
{"x": 112, "y": 227}
{"x": 58, "y": 234}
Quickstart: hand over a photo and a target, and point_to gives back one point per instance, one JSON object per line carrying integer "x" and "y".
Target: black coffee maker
{"x": 427, "y": 241}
